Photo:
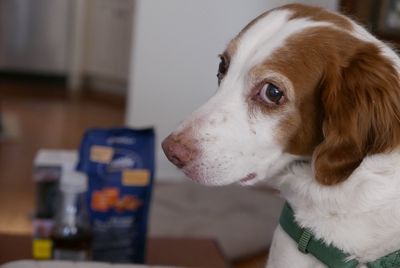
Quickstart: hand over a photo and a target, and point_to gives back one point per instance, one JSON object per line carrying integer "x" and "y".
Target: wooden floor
{"x": 40, "y": 115}
{"x": 257, "y": 261}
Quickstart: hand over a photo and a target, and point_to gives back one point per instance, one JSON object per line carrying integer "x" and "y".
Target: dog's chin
{"x": 210, "y": 178}
{"x": 206, "y": 177}
{"x": 206, "y": 180}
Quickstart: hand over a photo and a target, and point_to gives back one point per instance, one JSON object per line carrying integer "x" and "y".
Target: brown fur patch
{"x": 362, "y": 114}
{"x": 347, "y": 95}
{"x": 344, "y": 88}
{"x": 319, "y": 14}
{"x": 299, "y": 11}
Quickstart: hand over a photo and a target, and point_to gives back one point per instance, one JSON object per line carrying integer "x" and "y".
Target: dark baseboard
{"x": 18, "y": 76}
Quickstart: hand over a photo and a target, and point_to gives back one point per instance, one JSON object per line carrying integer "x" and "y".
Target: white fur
{"x": 360, "y": 216}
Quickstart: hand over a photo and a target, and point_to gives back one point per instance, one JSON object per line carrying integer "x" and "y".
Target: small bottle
{"x": 71, "y": 231}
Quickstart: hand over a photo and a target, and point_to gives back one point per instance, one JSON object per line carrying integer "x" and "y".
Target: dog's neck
{"x": 361, "y": 216}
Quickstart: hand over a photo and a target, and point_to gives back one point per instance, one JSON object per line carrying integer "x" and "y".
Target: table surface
{"x": 187, "y": 252}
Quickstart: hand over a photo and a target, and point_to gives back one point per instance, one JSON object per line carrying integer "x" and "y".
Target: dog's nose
{"x": 179, "y": 149}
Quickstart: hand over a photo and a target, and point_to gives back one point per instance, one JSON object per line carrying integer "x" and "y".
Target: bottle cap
{"x": 73, "y": 181}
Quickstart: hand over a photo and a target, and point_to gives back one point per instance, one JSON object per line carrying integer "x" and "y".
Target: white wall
{"x": 174, "y": 59}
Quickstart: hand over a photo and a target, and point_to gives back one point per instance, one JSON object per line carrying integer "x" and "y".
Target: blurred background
{"x": 69, "y": 65}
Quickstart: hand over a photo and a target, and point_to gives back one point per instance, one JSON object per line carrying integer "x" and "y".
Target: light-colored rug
{"x": 240, "y": 219}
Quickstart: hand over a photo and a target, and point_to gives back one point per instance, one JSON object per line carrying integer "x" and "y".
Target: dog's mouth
{"x": 249, "y": 179}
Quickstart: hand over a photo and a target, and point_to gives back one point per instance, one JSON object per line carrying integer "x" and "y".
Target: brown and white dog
{"x": 309, "y": 101}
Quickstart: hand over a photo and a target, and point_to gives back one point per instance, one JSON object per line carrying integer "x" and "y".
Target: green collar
{"x": 327, "y": 254}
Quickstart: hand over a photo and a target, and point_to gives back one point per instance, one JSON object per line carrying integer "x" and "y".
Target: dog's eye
{"x": 222, "y": 68}
{"x": 271, "y": 94}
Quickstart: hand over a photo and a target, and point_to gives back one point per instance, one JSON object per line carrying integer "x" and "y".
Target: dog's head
{"x": 298, "y": 82}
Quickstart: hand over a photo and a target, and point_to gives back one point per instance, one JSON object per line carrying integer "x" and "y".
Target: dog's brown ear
{"x": 361, "y": 103}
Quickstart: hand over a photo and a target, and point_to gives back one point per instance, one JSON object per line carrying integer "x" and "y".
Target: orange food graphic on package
{"x": 111, "y": 194}
{"x": 109, "y": 198}
{"x": 130, "y": 202}
{"x": 99, "y": 201}
{"x": 119, "y": 206}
